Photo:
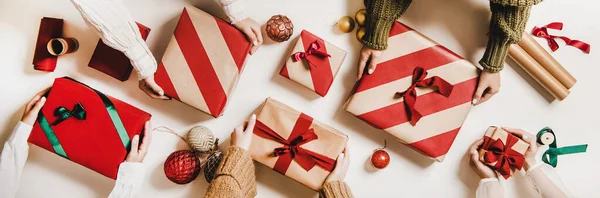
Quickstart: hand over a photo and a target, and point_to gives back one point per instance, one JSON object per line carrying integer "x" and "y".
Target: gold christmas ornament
{"x": 360, "y": 17}
{"x": 202, "y": 140}
{"x": 345, "y": 24}
{"x": 360, "y": 33}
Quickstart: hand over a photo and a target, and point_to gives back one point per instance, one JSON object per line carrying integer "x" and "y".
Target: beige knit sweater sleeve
{"x": 335, "y": 189}
{"x": 235, "y": 176}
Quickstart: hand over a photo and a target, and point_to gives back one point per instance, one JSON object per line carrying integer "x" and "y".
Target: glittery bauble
{"x": 360, "y": 17}
{"x": 202, "y": 140}
{"x": 279, "y": 28}
{"x": 182, "y": 167}
{"x": 212, "y": 163}
{"x": 345, "y": 24}
{"x": 380, "y": 159}
{"x": 360, "y": 33}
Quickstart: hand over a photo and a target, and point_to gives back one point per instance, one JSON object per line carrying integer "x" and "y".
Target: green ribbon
{"x": 551, "y": 155}
{"x": 63, "y": 113}
{"x": 58, "y": 149}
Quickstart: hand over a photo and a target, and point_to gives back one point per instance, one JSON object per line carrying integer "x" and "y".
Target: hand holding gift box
{"x": 502, "y": 151}
{"x": 295, "y": 145}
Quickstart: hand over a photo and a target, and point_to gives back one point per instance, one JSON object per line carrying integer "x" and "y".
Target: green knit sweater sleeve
{"x": 381, "y": 15}
{"x": 507, "y": 25}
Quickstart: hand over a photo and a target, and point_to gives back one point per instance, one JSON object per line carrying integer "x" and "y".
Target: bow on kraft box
{"x": 203, "y": 61}
{"x": 295, "y": 145}
{"x": 87, "y": 127}
{"x": 313, "y": 63}
{"x": 502, "y": 151}
{"x": 420, "y": 93}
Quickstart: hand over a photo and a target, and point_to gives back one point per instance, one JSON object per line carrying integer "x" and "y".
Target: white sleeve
{"x": 546, "y": 181}
{"x": 12, "y": 160}
{"x": 129, "y": 180}
{"x": 489, "y": 188}
{"x": 234, "y": 9}
{"x": 117, "y": 29}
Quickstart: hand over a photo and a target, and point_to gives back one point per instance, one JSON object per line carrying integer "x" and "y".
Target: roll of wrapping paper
{"x": 535, "y": 50}
{"x": 42, "y": 59}
{"x": 535, "y": 70}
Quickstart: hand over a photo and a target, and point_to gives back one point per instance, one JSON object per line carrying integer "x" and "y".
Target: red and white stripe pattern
{"x": 373, "y": 99}
{"x": 319, "y": 77}
{"x": 203, "y": 61}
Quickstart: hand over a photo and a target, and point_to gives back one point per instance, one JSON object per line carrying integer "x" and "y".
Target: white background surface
{"x": 460, "y": 25}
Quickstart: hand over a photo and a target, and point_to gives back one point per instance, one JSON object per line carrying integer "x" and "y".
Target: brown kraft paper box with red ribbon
{"x": 295, "y": 145}
{"x": 87, "y": 127}
{"x": 203, "y": 62}
{"x": 113, "y": 62}
{"x": 420, "y": 93}
{"x": 502, "y": 151}
{"x": 313, "y": 63}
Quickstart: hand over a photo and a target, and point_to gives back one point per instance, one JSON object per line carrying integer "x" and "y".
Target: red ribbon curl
{"x": 291, "y": 149}
{"x": 543, "y": 33}
{"x": 313, "y": 50}
{"x": 504, "y": 156}
{"x": 410, "y": 95}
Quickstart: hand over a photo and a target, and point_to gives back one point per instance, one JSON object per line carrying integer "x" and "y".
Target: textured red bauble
{"x": 182, "y": 167}
{"x": 279, "y": 28}
{"x": 380, "y": 159}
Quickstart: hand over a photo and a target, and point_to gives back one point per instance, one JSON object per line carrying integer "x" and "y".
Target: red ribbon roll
{"x": 301, "y": 134}
{"x": 410, "y": 95}
{"x": 313, "y": 50}
{"x": 543, "y": 33}
{"x": 504, "y": 156}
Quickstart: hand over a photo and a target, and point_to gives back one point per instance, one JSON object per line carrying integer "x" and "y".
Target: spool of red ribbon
{"x": 543, "y": 33}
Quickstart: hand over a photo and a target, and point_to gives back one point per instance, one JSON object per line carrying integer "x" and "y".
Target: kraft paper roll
{"x": 535, "y": 50}
{"x": 541, "y": 75}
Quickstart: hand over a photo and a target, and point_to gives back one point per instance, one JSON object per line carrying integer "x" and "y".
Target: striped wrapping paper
{"x": 319, "y": 76}
{"x": 374, "y": 101}
{"x": 203, "y": 62}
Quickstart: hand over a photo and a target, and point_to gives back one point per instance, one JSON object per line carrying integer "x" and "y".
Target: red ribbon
{"x": 313, "y": 50}
{"x": 301, "y": 134}
{"x": 543, "y": 33}
{"x": 504, "y": 156}
{"x": 410, "y": 95}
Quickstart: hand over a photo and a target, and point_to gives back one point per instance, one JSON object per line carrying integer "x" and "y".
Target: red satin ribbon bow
{"x": 313, "y": 50}
{"x": 543, "y": 33}
{"x": 291, "y": 147}
{"x": 504, "y": 156}
{"x": 410, "y": 95}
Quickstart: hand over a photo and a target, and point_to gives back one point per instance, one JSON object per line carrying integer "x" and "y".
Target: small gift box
{"x": 313, "y": 63}
{"x": 203, "y": 62}
{"x": 295, "y": 145}
{"x": 420, "y": 92}
{"x": 502, "y": 151}
{"x": 87, "y": 127}
{"x": 113, "y": 62}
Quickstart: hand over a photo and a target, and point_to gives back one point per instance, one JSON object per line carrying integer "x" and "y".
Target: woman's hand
{"x": 531, "y": 151}
{"x": 149, "y": 86}
{"x": 242, "y": 137}
{"x": 368, "y": 55}
{"x": 252, "y": 31}
{"x": 341, "y": 167}
{"x": 479, "y": 167}
{"x": 33, "y": 108}
{"x": 489, "y": 85}
{"x": 137, "y": 152}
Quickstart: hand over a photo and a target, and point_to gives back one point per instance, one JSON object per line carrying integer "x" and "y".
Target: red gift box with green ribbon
{"x": 86, "y": 126}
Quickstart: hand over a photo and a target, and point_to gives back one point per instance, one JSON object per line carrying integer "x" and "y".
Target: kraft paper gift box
{"x": 203, "y": 61}
{"x": 87, "y": 127}
{"x": 420, "y": 92}
{"x": 502, "y": 151}
{"x": 313, "y": 63}
{"x": 295, "y": 145}
{"x": 113, "y": 62}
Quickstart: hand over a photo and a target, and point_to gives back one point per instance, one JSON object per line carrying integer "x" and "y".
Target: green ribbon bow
{"x": 63, "y": 113}
{"x": 551, "y": 155}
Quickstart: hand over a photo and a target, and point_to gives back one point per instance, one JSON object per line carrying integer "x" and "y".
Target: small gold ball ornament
{"x": 360, "y": 33}
{"x": 346, "y": 24}
{"x": 360, "y": 17}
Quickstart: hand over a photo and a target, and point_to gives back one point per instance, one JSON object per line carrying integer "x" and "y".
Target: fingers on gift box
{"x": 203, "y": 61}
{"x": 295, "y": 145}
{"x": 87, "y": 127}
{"x": 420, "y": 93}
{"x": 503, "y": 151}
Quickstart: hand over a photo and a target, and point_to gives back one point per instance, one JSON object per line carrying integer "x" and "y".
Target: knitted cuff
{"x": 526, "y": 3}
{"x": 495, "y": 53}
{"x": 377, "y": 32}
{"x": 238, "y": 164}
{"x": 337, "y": 189}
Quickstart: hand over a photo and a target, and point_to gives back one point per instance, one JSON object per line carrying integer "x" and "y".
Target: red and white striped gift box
{"x": 374, "y": 101}
{"x": 203, "y": 62}
{"x": 314, "y": 71}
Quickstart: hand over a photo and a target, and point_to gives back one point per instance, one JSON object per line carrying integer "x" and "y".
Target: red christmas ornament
{"x": 380, "y": 158}
{"x": 182, "y": 167}
{"x": 279, "y": 28}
